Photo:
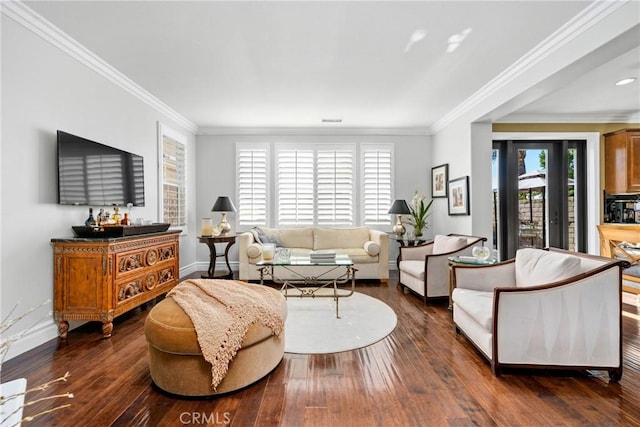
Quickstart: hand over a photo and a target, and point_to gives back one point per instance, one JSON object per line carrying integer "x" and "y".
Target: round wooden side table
{"x": 211, "y": 242}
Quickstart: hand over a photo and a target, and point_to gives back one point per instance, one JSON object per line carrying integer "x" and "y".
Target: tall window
{"x": 173, "y": 204}
{"x": 377, "y": 184}
{"x": 252, "y": 183}
{"x": 296, "y": 191}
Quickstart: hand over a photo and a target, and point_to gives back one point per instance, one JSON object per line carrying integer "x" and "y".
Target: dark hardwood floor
{"x": 423, "y": 374}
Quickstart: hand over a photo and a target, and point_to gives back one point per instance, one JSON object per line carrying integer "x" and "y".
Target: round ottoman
{"x": 176, "y": 362}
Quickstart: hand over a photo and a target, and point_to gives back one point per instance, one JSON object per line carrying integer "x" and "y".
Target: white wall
{"x": 43, "y": 90}
{"x": 216, "y": 171}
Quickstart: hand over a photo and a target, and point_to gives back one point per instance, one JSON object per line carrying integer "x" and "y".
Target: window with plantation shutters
{"x": 335, "y": 191}
{"x": 295, "y": 188}
{"x": 252, "y": 184}
{"x": 173, "y": 178}
{"x": 377, "y": 184}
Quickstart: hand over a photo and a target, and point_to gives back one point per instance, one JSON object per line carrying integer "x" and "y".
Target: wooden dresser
{"x": 99, "y": 279}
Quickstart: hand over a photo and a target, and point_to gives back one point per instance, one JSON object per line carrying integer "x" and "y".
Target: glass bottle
{"x": 100, "y": 217}
{"x": 116, "y": 215}
{"x": 91, "y": 220}
{"x": 125, "y": 220}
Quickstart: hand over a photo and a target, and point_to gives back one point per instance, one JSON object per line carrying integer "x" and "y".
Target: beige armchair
{"x": 543, "y": 309}
{"x": 425, "y": 269}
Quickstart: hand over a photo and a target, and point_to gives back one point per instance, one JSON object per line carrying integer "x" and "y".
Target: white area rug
{"x": 312, "y": 326}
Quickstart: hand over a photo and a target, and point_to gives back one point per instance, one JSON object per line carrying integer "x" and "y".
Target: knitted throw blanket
{"x": 221, "y": 312}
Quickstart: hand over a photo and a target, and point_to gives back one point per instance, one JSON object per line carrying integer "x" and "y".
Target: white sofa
{"x": 367, "y": 248}
{"x": 543, "y": 309}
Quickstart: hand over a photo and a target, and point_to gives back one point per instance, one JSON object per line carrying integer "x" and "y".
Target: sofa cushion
{"x": 538, "y": 267}
{"x": 357, "y": 255}
{"x": 296, "y": 237}
{"x": 444, "y": 244}
{"x": 332, "y": 238}
{"x": 477, "y": 304}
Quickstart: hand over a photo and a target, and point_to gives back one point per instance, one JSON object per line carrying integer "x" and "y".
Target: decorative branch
{"x": 5, "y": 345}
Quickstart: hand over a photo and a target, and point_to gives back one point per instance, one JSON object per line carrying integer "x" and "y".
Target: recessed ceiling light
{"x": 625, "y": 81}
{"x": 331, "y": 120}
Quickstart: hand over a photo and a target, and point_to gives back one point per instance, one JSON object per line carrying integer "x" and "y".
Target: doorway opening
{"x": 539, "y": 195}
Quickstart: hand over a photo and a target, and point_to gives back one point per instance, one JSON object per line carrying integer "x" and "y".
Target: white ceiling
{"x": 292, "y": 64}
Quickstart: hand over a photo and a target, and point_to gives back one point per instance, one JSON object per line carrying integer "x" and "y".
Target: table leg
{"x": 212, "y": 261}
{"x": 226, "y": 258}
{"x": 452, "y": 285}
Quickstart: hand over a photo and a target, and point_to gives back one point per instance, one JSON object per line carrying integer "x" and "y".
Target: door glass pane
{"x": 532, "y": 198}
{"x": 495, "y": 200}
{"x": 571, "y": 202}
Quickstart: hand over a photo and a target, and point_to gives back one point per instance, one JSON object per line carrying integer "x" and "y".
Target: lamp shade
{"x": 223, "y": 204}
{"x": 399, "y": 207}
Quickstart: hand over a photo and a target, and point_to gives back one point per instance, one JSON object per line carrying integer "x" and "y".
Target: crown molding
{"x": 37, "y": 24}
{"x": 312, "y": 131}
{"x": 571, "y": 118}
{"x": 580, "y": 23}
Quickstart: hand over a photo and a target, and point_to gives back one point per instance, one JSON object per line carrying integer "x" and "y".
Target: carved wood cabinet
{"x": 99, "y": 279}
{"x": 622, "y": 161}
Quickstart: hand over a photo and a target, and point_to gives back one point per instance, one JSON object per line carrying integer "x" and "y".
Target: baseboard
{"x": 37, "y": 335}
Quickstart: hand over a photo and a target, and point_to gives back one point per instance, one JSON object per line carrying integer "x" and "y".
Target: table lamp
{"x": 223, "y": 204}
{"x": 399, "y": 208}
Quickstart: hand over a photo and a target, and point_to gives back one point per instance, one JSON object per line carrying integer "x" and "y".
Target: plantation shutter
{"x": 173, "y": 182}
{"x": 295, "y": 187}
{"x": 252, "y": 186}
{"x": 335, "y": 187}
{"x": 377, "y": 185}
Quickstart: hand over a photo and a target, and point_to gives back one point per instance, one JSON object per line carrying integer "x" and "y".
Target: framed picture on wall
{"x": 459, "y": 196}
{"x": 439, "y": 177}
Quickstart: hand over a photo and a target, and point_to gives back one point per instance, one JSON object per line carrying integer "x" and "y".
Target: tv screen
{"x": 94, "y": 174}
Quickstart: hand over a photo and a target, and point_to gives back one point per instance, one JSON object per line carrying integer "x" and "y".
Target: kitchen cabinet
{"x": 622, "y": 162}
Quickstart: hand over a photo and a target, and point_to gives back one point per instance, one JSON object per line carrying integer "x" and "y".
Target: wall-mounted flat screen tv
{"x": 94, "y": 174}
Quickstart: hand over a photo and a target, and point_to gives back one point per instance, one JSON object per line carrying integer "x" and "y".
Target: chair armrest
{"x": 485, "y": 277}
{"x": 415, "y": 253}
{"x": 382, "y": 240}
{"x": 575, "y": 321}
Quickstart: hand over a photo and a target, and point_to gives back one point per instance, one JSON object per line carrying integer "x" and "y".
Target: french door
{"x": 539, "y": 195}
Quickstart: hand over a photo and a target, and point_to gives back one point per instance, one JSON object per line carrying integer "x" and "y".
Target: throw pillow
{"x": 372, "y": 248}
{"x": 259, "y": 235}
{"x": 444, "y": 244}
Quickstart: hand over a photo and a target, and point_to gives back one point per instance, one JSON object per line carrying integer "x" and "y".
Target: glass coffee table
{"x": 323, "y": 282}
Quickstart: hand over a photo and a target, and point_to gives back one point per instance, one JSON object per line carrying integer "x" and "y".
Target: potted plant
{"x": 419, "y": 213}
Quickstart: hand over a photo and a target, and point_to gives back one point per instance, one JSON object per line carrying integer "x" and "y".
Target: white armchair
{"x": 543, "y": 309}
{"x": 425, "y": 269}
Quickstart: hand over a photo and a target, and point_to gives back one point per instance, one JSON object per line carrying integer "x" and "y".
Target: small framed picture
{"x": 459, "y": 196}
{"x": 439, "y": 177}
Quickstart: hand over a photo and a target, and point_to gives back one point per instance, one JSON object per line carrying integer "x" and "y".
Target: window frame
{"x": 240, "y": 146}
{"x": 165, "y": 131}
{"x": 364, "y": 147}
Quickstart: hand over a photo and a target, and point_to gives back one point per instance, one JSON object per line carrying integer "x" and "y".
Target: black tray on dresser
{"x": 118, "y": 230}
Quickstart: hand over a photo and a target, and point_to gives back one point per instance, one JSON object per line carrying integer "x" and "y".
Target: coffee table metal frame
{"x": 311, "y": 286}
